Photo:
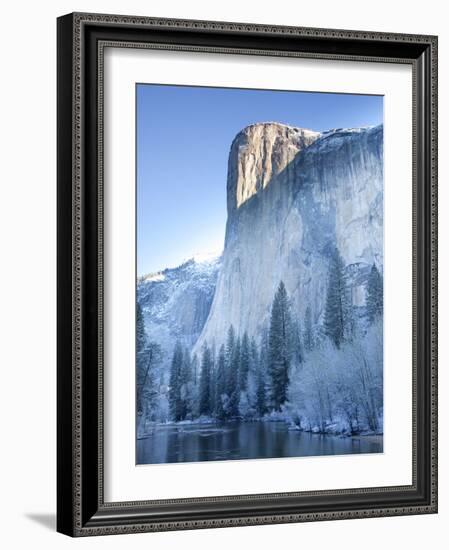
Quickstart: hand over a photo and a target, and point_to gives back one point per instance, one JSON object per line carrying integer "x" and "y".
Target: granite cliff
{"x": 293, "y": 195}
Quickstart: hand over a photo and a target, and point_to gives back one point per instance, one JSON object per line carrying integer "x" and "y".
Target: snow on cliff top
{"x": 306, "y": 131}
{"x": 152, "y": 277}
{"x": 206, "y": 257}
{"x": 200, "y": 260}
{"x": 356, "y": 130}
{"x": 336, "y": 136}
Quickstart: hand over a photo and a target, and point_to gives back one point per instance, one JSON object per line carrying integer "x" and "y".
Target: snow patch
{"x": 207, "y": 257}
{"x": 154, "y": 278}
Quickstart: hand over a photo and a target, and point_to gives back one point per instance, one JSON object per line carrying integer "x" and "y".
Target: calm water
{"x": 237, "y": 440}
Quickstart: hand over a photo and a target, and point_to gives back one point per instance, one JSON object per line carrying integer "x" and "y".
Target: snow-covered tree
{"x": 220, "y": 384}
{"x": 212, "y": 382}
{"x": 252, "y": 375}
{"x": 148, "y": 361}
{"x": 229, "y": 353}
{"x": 205, "y": 385}
{"x": 335, "y": 316}
{"x": 261, "y": 394}
{"x": 340, "y": 389}
{"x": 308, "y": 334}
{"x": 140, "y": 330}
{"x": 374, "y": 295}
{"x": 141, "y": 363}
{"x": 188, "y": 389}
{"x": 233, "y": 389}
{"x": 175, "y": 383}
{"x": 297, "y": 344}
{"x": 195, "y": 369}
{"x": 245, "y": 410}
{"x": 245, "y": 359}
{"x": 280, "y": 347}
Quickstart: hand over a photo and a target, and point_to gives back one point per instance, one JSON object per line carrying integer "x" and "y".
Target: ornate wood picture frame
{"x": 82, "y": 509}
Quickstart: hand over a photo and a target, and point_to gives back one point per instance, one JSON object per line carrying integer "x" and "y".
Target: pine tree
{"x": 261, "y": 398}
{"x": 147, "y": 391}
{"x": 194, "y": 368}
{"x": 140, "y": 330}
{"x": 280, "y": 347}
{"x": 212, "y": 382}
{"x": 264, "y": 348}
{"x": 335, "y": 315}
{"x": 264, "y": 361}
{"x": 297, "y": 345}
{"x": 230, "y": 344}
{"x": 192, "y": 386}
{"x": 252, "y": 375}
{"x": 220, "y": 383}
{"x": 205, "y": 378}
{"x": 308, "y": 335}
{"x": 229, "y": 356}
{"x": 233, "y": 389}
{"x": 254, "y": 352}
{"x": 141, "y": 363}
{"x": 185, "y": 382}
{"x": 174, "y": 397}
{"x": 245, "y": 358}
{"x": 374, "y": 295}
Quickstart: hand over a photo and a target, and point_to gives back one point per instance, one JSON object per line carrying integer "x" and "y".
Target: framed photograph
{"x": 247, "y": 279}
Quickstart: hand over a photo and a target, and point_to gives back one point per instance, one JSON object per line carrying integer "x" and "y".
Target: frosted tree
{"x": 188, "y": 391}
{"x": 373, "y": 347}
{"x": 340, "y": 390}
{"x": 233, "y": 369}
{"x": 148, "y": 361}
{"x": 245, "y": 358}
{"x": 140, "y": 330}
{"x": 194, "y": 367}
{"x": 229, "y": 352}
{"x": 229, "y": 380}
{"x": 261, "y": 396}
{"x": 205, "y": 382}
{"x": 254, "y": 353}
{"x": 280, "y": 347}
{"x": 252, "y": 375}
{"x": 189, "y": 388}
{"x": 220, "y": 384}
{"x": 374, "y": 295}
{"x": 367, "y": 358}
{"x": 212, "y": 381}
{"x": 296, "y": 396}
{"x": 245, "y": 409}
{"x": 297, "y": 345}
{"x": 308, "y": 335}
{"x": 335, "y": 314}
{"x": 264, "y": 357}
{"x": 141, "y": 363}
{"x": 175, "y": 383}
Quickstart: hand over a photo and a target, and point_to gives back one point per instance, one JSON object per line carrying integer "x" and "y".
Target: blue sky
{"x": 183, "y": 139}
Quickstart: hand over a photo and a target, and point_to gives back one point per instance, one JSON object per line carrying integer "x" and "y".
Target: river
{"x": 237, "y": 440}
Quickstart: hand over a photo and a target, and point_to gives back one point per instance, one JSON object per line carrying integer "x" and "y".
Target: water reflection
{"x": 237, "y": 440}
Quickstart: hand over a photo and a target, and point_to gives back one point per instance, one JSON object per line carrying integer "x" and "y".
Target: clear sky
{"x": 183, "y": 139}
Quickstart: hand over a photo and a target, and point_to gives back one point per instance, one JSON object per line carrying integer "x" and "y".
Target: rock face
{"x": 259, "y": 153}
{"x": 294, "y": 195}
{"x": 176, "y": 302}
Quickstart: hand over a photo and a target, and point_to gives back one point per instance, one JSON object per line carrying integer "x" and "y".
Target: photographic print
{"x": 259, "y": 292}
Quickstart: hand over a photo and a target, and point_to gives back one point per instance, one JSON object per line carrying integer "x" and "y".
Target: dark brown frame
{"x": 81, "y": 507}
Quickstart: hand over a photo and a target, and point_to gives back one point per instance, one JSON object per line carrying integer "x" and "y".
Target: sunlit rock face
{"x": 293, "y": 195}
{"x": 259, "y": 153}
